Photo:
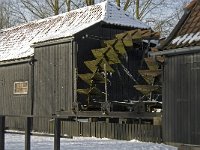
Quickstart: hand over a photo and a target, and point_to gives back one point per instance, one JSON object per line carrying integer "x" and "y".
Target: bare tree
{"x": 161, "y": 15}
{"x": 68, "y": 4}
{"x": 42, "y": 9}
{"x": 137, "y": 7}
{"x": 26, "y": 10}
{"x": 5, "y": 20}
{"x": 89, "y": 2}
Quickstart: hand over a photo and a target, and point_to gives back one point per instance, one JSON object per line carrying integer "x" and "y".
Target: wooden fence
{"x": 60, "y": 126}
{"x": 142, "y": 132}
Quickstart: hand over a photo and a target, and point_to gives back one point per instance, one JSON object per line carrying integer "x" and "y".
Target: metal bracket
{"x": 105, "y": 107}
{"x": 139, "y": 107}
{"x": 75, "y": 107}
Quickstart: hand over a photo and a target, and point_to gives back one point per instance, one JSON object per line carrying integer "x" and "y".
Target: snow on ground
{"x": 16, "y": 142}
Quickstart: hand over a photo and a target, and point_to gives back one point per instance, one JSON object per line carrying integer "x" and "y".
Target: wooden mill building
{"x": 181, "y": 81}
{"x": 39, "y": 60}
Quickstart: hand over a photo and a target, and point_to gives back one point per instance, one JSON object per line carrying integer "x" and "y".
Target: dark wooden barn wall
{"x": 122, "y": 86}
{"x": 11, "y": 104}
{"x": 181, "y": 104}
{"x": 53, "y": 76}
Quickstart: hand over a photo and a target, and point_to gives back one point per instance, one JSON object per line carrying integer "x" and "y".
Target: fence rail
{"x": 28, "y": 128}
{"x": 61, "y": 126}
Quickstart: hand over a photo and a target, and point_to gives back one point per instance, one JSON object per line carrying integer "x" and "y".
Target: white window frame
{"x": 20, "y": 93}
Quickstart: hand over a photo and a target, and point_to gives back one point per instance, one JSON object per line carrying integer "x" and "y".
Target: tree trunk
{"x": 89, "y": 2}
{"x": 56, "y": 7}
{"x": 118, "y": 2}
{"x": 68, "y": 4}
{"x": 137, "y": 9}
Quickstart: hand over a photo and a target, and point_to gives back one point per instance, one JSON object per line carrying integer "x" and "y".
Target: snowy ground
{"x": 16, "y": 142}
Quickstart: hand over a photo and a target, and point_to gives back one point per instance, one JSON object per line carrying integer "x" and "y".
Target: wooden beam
{"x": 2, "y": 132}
{"x": 57, "y": 132}
{"x": 28, "y": 127}
{"x": 99, "y": 114}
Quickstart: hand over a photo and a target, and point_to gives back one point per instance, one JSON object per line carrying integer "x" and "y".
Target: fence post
{"x": 57, "y": 131}
{"x": 2, "y": 132}
{"x": 28, "y": 125}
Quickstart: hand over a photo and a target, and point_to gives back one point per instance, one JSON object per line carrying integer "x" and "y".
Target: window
{"x": 21, "y": 87}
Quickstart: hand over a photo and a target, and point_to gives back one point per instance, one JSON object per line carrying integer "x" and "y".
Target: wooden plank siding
{"x": 11, "y": 104}
{"x": 142, "y": 132}
{"x": 181, "y": 99}
{"x": 53, "y": 81}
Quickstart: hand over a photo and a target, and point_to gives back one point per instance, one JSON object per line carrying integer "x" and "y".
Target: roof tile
{"x": 188, "y": 34}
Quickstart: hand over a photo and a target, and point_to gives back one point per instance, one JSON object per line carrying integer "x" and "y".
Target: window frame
{"x": 22, "y": 88}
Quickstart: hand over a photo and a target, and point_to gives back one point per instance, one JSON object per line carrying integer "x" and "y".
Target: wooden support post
{"x": 106, "y": 86}
{"x": 107, "y": 120}
{"x": 28, "y": 127}
{"x": 90, "y": 119}
{"x": 2, "y": 132}
{"x": 57, "y": 131}
{"x": 137, "y": 9}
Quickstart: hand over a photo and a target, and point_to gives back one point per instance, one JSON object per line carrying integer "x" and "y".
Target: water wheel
{"x": 112, "y": 56}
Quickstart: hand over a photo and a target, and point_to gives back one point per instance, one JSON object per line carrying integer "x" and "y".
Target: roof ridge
{"x": 191, "y": 4}
{"x": 121, "y": 10}
{"x": 105, "y": 7}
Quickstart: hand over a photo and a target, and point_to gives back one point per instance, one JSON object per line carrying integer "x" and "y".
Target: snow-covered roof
{"x": 16, "y": 42}
{"x": 187, "y": 38}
